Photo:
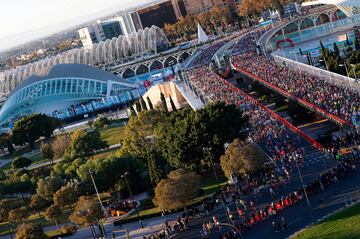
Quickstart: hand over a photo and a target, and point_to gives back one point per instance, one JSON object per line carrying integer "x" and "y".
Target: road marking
{"x": 295, "y": 220}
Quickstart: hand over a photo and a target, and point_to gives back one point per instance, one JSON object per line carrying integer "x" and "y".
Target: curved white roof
{"x": 350, "y": 3}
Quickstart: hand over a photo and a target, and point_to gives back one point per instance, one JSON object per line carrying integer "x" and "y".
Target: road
{"x": 298, "y": 215}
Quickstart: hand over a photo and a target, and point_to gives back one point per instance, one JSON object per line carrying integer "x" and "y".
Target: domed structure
{"x": 148, "y": 41}
{"x": 62, "y": 86}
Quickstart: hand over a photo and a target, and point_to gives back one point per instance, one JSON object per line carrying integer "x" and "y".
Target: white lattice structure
{"x": 147, "y": 41}
{"x": 349, "y": 7}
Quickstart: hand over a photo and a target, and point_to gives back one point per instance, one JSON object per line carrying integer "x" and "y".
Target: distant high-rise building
{"x": 103, "y": 30}
{"x": 200, "y": 6}
{"x": 158, "y": 14}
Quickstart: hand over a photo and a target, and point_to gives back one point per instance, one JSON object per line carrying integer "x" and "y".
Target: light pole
{"x": 218, "y": 183}
{"x": 344, "y": 65}
{"x": 297, "y": 61}
{"x": 98, "y": 195}
{"x": 131, "y": 196}
{"x": 353, "y": 68}
{"x": 97, "y": 192}
{"x": 327, "y": 67}
{"x": 303, "y": 186}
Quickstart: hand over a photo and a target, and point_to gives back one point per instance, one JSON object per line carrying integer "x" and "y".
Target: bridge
{"x": 325, "y": 15}
{"x": 156, "y": 62}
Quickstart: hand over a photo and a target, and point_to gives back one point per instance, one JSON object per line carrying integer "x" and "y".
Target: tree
{"x": 5, "y": 142}
{"x": 6, "y": 205}
{"x": 241, "y": 158}
{"x": 356, "y": 44}
{"x": 156, "y": 167}
{"x": 177, "y": 190}
{"x": 173, "y": 107}
{"x": 143, "y": 104}
{"x": 48, "y": 186}
{"x": 151, "y": 106}
{"x": 139, "y": 134}
{"x": 66, "y": 196}
{"x": 336, "y": 50}
{"x": 38, "y": 203}
{"x": 2, "y": 176}
{"x": 102, "y": 123}
{"x": 53, "y": 213}
{"x": 20, "y": 184}
{"x": 86, "y": 212}
{"x": 132, "y": 111}
{"x": 347, "y": 40}
{"x": 21, "y": 162}
{"x": 18, "y": 214}
{"x": 30, "y": 231}
{"x": 85, "y": 144}
{"x": 10, "y": 147}
{"x": 138, "y": 107}
{"x": 47, "y": 152}
{"x": 103, "y": 167}
{"x": 59, "y": 146}
{"x": 163, "y": 102}
{"x": 189, "y": 138}
{"x": 32, "y": 127}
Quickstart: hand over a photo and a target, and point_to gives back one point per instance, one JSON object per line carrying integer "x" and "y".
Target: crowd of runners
{"x": 341, "y": 101}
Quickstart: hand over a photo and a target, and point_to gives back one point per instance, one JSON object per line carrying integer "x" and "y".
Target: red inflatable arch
{"x": 284, "y": 40}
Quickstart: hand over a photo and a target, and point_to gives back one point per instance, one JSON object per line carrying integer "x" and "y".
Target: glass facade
{"x": 57, "y": 94}
{"x": 112, "y": 29}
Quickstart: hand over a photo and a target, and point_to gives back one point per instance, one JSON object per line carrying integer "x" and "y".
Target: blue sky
{"x": 23, "y": 16}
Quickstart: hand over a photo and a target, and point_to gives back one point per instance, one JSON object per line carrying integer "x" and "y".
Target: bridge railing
{"x": 286, "y": 94}
{"x": 290, "y": 126}
{"x": 330, "y": 77}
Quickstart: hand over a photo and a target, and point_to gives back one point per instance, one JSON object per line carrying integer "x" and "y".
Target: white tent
{"x": 202, "y": 37}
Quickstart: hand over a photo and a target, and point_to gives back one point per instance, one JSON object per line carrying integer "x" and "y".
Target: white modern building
{"x": 349, "y": 7}
{"x": 107, "y": 29}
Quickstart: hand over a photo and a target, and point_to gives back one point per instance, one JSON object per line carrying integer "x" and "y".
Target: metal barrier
{"x": 304, "y": 103}
{"x": 278, "y": 117}
{"x": 330, "y": 77}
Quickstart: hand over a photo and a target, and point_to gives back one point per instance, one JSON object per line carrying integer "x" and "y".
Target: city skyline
{"x": 41, "y": 18}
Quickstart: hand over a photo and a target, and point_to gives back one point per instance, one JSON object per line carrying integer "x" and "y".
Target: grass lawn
{"x": 208, "y": 185}
{"x": 34, "y": 218}
{"x": 343, "y": 225}
{"x": 113, "y": 134}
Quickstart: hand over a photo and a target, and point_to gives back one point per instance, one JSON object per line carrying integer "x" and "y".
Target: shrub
{"x": 68, "y": 230}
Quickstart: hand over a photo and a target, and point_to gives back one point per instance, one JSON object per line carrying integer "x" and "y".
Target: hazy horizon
{"x": 39, "y": 18}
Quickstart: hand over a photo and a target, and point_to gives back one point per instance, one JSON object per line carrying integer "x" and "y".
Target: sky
{"x": 20, "y": 18}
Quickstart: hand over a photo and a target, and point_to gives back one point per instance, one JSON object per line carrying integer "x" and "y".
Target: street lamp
{"x": 353, "y": 68}
{"x": 344, "y": 65}
{"x": 131, "y": 196}
{"x": 98, "y": 195}
{"x": 218, "y": 184}
{"x": 97, "y": 192}
{"x": 304, "y": 189}
{"x": 297, "y": 61}
{"x": 322, "y": 60}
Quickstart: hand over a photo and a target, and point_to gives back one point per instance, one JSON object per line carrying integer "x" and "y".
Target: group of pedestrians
{"x": 248, "y": 40}
{"x": 118, "y": 208}
{"x": 247, "y": 216}
{"x": 342, "y": 101}
{"x": 272, "y": 135}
